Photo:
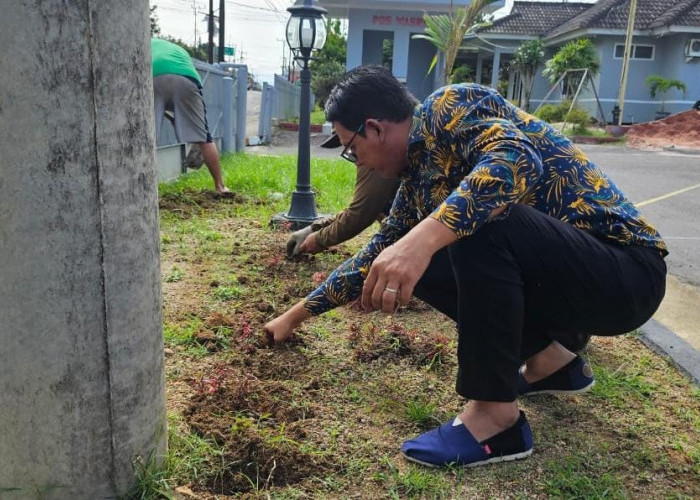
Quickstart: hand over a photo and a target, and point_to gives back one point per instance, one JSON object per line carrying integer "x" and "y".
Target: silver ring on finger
{"x": 390, "y": 290}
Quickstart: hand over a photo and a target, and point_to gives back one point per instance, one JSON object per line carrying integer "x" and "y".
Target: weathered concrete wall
{"x": 81, "y": 363}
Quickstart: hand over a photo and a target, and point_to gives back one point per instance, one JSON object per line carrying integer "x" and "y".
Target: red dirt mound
{"x": 680, "y": 130}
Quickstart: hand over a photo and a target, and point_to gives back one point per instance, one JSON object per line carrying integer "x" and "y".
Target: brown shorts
{"x": 183, "y": 97}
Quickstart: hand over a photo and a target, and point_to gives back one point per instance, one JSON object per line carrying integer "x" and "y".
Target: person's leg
{"x": 528, "y": 280}
{"x": 528, "y": 285}
{"x": 191, "y": 126}
{"x": 546, "y": 362}
{"x": 211, "y": 160}
{"x": 162, "y": 95}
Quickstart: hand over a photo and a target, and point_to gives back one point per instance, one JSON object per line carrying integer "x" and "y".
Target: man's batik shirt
{"x": 471, "y": 152}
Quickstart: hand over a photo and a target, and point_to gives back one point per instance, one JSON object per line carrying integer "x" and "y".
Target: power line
{"x": 268, "y": 9}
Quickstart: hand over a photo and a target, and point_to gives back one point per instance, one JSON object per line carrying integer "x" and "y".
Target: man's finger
{"x": 404, "y": 295}
{"x": 367, "y": 290}
{"x": 291, "y": 247}
{"x": 378, "y": 295}
{"x": 390, "y": 297}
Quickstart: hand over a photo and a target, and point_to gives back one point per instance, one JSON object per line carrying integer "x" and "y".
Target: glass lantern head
{"x": 306, "y": 28}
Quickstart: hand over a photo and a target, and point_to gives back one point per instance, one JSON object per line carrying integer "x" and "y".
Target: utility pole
{"x": 210, "y": 26}
{"x": 626, "y": 60}
{"x": 222, "y": 22}
{"x": 284, "y": 54}
{"x": 194, "y": 11}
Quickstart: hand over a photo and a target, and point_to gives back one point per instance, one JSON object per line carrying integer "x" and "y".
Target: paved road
{"x": 648, "y": 178}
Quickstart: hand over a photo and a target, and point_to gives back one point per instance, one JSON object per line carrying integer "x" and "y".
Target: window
{"x": 643, "y": 52}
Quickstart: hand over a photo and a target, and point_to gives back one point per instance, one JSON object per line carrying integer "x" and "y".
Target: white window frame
{"x": 633, "y": 50}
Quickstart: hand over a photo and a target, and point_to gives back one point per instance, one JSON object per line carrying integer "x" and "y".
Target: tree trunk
{"x": 81, "y": 385}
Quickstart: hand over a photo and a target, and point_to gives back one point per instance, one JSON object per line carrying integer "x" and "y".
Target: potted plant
{"x": 659, "y": 86}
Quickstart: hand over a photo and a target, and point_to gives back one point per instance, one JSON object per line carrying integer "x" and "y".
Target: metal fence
{"x": 281, "y": 101}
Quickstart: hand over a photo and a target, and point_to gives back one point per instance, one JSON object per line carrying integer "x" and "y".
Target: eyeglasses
{"x": 348, "y": 152}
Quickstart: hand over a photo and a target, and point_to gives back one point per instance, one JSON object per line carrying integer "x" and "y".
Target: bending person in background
{"x": 177, "y": 87}
{"x": 543, "y": 249}
{"x": 371, "y": 201}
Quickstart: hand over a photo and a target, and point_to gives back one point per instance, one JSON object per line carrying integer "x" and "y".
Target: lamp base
{"x": 284, "y": 220}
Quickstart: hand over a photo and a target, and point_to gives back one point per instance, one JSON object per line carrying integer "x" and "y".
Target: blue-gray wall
{"x": 421, "y": 53}
{"x": 372, "y": 43}
{"x": 366, "y": 29}
{"x": 668, "y": 61}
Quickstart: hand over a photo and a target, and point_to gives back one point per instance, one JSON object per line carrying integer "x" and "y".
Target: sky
{"x": 256, "y": 28}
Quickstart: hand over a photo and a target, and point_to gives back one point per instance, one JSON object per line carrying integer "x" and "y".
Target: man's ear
{"x": 373, "y": 126}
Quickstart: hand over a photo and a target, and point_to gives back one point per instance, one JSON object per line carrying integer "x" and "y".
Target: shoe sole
{"x": 560, "y": 391}
{"x": 503, "y": 458}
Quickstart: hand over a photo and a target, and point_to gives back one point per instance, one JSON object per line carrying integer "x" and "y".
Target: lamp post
{"x": 306, "y": 32}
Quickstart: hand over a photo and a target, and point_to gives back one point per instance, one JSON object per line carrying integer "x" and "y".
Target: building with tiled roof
{"x": 666, "y": 42}
{"x": 381, "y": 32}
{"x": 535, "y": 19}
{"x": 666, "y": 36}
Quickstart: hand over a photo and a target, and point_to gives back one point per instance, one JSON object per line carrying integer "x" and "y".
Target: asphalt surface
{"x": 646, "y": 177}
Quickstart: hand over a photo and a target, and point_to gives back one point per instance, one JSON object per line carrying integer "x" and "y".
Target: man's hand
{"x": 395, "y": 271}
{"x": 296, "y": 239}
{"x": 283, "y": 326}
{"x": 310, "y": 245}
{"x": 392, "y": 277}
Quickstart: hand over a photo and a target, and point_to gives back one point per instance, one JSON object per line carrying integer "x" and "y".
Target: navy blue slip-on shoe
{"x": 454, "y": 445}
{"x": 573, "y": 378}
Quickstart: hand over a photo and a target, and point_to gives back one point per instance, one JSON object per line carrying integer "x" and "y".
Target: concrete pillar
{"x": 227, "y": 140}
{"x": 241, "y": 105}
{"x": 353, "y": 55}
{"x": 81, "y": 353}
{"x": 479, "y": 68}
{"x": 496, "y": 67}
{"x": 400, "y": 55}
{"x": 511, "y": 85}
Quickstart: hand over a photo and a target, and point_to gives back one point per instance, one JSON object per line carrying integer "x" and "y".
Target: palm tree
{"x": 659, "y": 86}
{"x": 447, "y": 31}
{"x": 577, "y": 54}
{"x": 526, "y": 59}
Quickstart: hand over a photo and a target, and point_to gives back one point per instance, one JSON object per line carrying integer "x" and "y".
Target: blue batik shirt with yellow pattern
{"x": 471, "y": 152}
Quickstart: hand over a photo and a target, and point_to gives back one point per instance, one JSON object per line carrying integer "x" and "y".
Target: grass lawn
{"x": 324, "y": 415}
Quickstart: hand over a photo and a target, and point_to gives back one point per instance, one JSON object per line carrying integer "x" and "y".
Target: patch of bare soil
{"x": 323, "y": 416}
{"x": 267, "y": 406}
{"x": 681, "y": 130}
{"x": 259, "y": 427}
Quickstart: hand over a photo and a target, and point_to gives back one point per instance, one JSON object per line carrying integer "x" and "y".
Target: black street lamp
{"x": 306, "y": 32}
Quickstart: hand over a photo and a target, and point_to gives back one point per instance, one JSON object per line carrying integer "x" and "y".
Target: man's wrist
{"x": 430, "y": 235}
{"x": 298, "y": 313}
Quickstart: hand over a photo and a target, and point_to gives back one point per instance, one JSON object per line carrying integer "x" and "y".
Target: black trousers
{"x": 521, "y": 282}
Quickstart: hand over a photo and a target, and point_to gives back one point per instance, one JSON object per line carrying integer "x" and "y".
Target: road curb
{"x": 664, "y": 341}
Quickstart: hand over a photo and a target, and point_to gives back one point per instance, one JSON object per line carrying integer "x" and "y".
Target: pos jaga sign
{"x": 385, "y": 20}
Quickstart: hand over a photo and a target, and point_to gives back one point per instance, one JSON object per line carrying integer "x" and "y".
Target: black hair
{"x": 369, "y": 92}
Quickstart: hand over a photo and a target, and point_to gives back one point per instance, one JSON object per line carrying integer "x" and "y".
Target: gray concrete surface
{"x": 81, "y": 362}
{"x": 252, "y": 112}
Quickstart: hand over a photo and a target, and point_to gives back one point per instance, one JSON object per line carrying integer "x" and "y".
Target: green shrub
{"x": 549, "y": 113}
{"x": 558, "y": 112}
{"x": 462, "y": 74}
{"x": 579, "y": 119}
